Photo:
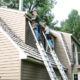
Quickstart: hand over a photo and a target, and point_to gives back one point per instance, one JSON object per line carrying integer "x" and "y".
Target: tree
{"x": 43, "y": 8}
{"x": 10, "y": 3}
{"x": 72, "y": 24}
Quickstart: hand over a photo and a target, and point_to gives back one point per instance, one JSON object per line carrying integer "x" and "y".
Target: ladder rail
{"x": 44, "y": 56}
{"x": 47, "y": 41}
{"x": 58, "y": 63}
{"x": 47, "y": 63}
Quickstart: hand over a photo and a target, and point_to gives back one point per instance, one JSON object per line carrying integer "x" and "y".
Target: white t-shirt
{"x": 47, "y": 30}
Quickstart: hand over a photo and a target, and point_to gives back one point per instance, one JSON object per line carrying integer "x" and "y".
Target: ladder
{"x": 58, "y": 63}
{"x": 44, "y": 56}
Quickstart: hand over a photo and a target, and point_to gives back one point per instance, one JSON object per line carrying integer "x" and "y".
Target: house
{"x": 19, "y": 57}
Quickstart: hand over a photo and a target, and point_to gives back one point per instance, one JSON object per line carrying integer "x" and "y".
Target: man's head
{"x": 34, "y": 13}
{"x": 46, "y": 25}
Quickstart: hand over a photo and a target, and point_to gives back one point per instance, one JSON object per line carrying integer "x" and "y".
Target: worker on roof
{"x": 48, "y": 36}
{"x": 36, "y": 25}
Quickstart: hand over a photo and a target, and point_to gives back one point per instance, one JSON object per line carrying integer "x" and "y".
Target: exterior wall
{"x": 78, "y": 49}
{"x": 78, "y": 73}
{"x": 9, "y": 60}
{"x": 60, "y": 51}
{"x": 29, "y": 39}
{"x": 76, "y": 67}
{"x": 75, "y": 53}
{"x": 34, "y": 71}
{"x": 15, "y": 21}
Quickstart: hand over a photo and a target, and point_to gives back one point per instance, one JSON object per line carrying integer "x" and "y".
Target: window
{"x": 75, "y": 76}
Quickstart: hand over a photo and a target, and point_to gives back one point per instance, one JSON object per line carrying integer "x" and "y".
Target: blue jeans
{"x": 50, "y": 43}
{"x": 37, "y": 31}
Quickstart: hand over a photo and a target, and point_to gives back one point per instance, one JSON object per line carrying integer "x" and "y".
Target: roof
{"x": 30, "y": 51}
{"x": 12, "y": 10}
{"x": 52, "y": 31}
{"x": 73, "y": 37}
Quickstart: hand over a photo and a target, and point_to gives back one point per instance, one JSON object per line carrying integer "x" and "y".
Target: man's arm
{"x": 34, "y": 18}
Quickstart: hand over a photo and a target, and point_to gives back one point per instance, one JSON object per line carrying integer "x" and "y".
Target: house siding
{"x": 9, "y": 60}
{"x": 29, "y": 39}
{"x": 76, "y": 67}
{"x": 15, "y": 21}
{"x": 34, "y": 71}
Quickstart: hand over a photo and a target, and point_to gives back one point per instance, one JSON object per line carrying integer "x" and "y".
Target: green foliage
{"x": 72, "y": 24}
{"x": 6, "y": 1}
{"x": 43, "y": 8}
{"x": 57, "y": 28}
{"x": 10, "y": 3}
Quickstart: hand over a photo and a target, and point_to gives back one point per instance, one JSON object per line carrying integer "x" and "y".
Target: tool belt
{"x": 34, "y": 25}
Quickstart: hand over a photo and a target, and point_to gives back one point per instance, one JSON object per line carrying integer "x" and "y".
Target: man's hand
{"x": 33, "y": 19}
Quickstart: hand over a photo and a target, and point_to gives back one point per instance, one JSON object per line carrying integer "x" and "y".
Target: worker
{"x": 36, "y": 20}
{"x": 47, "y": 33}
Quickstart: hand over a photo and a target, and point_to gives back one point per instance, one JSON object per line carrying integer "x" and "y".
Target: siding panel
{"x": 9, "y": 60}
{"x": 32, "y": 71}
{"x": 15, "y": 20}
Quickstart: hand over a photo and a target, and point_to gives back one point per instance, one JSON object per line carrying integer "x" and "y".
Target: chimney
{"x": 20, "y": 5}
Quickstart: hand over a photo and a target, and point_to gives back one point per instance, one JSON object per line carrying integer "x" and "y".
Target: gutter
{"x": 37, "y": 61}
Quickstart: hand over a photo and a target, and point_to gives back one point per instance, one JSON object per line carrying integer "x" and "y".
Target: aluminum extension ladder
{"x": 58, "y": 63}
{"x": 44, "y": 56}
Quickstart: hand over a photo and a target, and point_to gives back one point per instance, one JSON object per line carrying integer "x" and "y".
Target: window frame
{"x": 75, "y": 74}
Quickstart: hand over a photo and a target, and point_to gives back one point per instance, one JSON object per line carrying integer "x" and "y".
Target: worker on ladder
{"x": 48, "y": 36}
{"x": 36, "y": 25}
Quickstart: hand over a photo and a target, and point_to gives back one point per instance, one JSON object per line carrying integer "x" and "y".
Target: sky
{"x": 63, "y": 8}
